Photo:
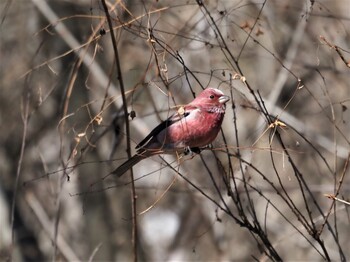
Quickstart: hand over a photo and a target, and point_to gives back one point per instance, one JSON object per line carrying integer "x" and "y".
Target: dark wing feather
{"x": 163, "y": 125}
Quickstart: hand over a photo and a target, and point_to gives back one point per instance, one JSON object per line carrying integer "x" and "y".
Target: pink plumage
{"x": 193, "y": 126}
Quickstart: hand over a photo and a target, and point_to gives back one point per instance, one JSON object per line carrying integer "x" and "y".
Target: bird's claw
{"x": 191, "y": 150}
{"x": 210, "y": 146}
{"x": 196, "y": 150}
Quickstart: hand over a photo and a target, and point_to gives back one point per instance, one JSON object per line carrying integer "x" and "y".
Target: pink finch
{"x": 193, "y": 126}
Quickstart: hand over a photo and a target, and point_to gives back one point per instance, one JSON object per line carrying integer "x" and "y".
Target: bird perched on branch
{"x": 193, "y": 126}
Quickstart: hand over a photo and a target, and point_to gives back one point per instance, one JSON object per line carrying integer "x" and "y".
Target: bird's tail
{"x": 119, "y": 171}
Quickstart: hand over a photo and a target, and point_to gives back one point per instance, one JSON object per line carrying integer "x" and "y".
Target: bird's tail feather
{"x": 119, "y": 171}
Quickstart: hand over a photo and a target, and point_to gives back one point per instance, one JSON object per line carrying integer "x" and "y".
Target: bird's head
{"x": 211, "y": 99}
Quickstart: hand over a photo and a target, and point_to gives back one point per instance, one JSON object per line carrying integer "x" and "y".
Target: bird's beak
{"x": 223, "y": 99}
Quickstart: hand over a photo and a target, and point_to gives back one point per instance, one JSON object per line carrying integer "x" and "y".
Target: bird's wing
{"x": 164, "y": 125}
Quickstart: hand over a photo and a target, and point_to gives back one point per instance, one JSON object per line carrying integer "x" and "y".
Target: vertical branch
{"x": 127, "y": 128}
{"x": 25, "y": 118}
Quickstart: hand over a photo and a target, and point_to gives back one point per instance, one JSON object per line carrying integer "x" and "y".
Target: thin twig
{"x": 40, "y": 213}
{"x": 336, "y": 193}
{"x": 337, "y": 49}
{"x": 134, "y": 239}
{"x": 25, "y": 119}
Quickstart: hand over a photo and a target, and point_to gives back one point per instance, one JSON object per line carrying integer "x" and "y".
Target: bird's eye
{"x": 211, "y": 96}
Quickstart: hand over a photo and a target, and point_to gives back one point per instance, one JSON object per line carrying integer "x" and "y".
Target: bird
{"x": 190, "y": 128}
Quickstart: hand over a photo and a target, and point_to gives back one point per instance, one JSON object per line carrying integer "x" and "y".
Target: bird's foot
{"x": 209, "y": 147}
{"x": 191, "y": 150}
{"x": 195, "y": 150}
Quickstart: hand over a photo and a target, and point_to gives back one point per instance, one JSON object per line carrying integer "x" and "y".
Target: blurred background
{"x": 275, "y": 184}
